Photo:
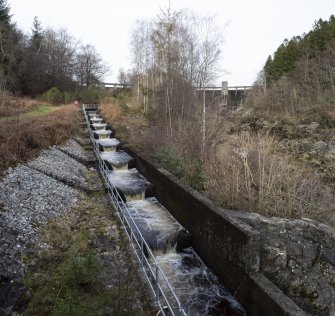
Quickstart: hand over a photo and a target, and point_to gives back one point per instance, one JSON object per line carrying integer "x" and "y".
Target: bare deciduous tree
{"x": 89, "y": 67}
{"x": 173, "y": 56}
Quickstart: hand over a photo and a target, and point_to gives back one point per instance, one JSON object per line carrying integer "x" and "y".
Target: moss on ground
{"x": 85, "y": 267}
{"x": 39, "y": 110}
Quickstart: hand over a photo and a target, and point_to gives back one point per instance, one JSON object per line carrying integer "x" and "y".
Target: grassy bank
{"x": 24, "y": 135}
{"x": 39, "y": 110}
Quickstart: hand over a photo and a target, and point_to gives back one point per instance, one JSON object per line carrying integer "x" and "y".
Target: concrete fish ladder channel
{"x": 181, "y": 283}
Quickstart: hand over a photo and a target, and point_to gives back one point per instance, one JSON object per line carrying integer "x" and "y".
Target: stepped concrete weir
{"x": 104, "y": 133}
{"x": 129, "y": 182}
{"x": 99, "y": 126}
{"x": 157, "y": 225}
{"x": 163, "y": 244}
{"x": 117, "y": 160}
{"x": 108, "y": 144}
{"x": 93, "y": 114}
{"x": 95, "y": 120}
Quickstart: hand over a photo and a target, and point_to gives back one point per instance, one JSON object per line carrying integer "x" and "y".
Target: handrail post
{"x": 142, "y": 252}
{"x": 157, "y": 285}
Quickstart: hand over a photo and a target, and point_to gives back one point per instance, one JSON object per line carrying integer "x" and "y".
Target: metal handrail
{"x": 154, "y": 274}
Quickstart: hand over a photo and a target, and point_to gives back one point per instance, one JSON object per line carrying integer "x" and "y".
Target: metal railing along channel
{"x": 165, "y": 297}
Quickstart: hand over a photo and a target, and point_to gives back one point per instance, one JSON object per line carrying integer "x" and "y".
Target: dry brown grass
{"x": 248, "y": 173}
{"x": 111, "y": 111}
{"x": 129, "y": 123}
{"x": 14, "y": 106}
{"x": 22, "y": 138}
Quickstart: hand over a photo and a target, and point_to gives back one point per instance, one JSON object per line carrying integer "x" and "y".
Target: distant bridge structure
{"x": 223, "y": 97}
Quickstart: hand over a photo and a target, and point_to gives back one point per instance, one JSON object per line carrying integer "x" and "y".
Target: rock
{"x": 312, "y": 127}
{"x": 320, "y": 146}
{"x": 294, "y": 249}
{"x": 30, "y": 198}
{"x": 328, "y": 254}
{"x": 299, "y": 257}
{"x": 310, "y": 250}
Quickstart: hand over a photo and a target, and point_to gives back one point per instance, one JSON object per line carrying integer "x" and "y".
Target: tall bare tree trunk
{"x": 203, "y": 128}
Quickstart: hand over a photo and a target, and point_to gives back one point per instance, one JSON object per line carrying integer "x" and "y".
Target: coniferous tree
{"x": 9, "y": 56}
{"x": 37, "y": 34}
{"x": 5, "y": 17}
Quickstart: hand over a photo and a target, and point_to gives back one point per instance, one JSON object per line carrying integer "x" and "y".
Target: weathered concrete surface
{"x": 226, "y": 244}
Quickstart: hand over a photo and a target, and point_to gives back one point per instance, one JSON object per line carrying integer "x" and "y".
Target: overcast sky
{"x": 252, "y": 29}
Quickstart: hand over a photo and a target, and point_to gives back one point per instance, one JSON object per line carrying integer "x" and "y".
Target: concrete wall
{"x": 229, "y": 247}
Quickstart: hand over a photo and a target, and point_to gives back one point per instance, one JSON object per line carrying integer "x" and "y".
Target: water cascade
{"x": 98, "y": 126}
{"x": 180, "y": 281}
{"x": 130, "y": 182}
{"x": 103, "y": 133}
{"x": 198, "y": 288}
{"x": 93, "y": 114}
{"x": 108, "y": 144}
{"x": 118, "y": 160}
{"x": 156, "y": 224}
{"x": 95, "y": 120}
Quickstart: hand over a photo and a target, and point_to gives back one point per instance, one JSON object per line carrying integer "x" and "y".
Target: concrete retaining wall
{"x": 229, "y": 247}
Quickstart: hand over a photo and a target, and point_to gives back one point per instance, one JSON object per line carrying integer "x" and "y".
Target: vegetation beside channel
{"x": 85, "y": 267}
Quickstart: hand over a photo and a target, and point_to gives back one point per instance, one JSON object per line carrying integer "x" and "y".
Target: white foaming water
{"x": 99, "y": 126}
{"x": 197, "y": 288}
{"x": 104, "y": 133}
{"x": 129, "y": 182}
{"x": 157, "y": 226}
{"x": 93, "y": 114}
{"x": 96, "y": 120}
{"x": 109, "y": 144}
{"x": 118, "y": 159}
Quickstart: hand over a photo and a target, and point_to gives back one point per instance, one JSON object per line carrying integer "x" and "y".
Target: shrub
{"x": 69, "y": 97}
{"x": 54, "y": 96}
{"x": 122, "y": 99}
{"x": 189, "y": 171}
{"x": 90, "y": 95}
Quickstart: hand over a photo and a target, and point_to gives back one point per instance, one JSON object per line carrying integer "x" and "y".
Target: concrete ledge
{"x": 229, "y": 247}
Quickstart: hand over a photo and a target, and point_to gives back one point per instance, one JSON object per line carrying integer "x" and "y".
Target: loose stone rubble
{"x": 74, "y": 149}
{"x": 29, "y": 196}
{"x": 60, "y": 166}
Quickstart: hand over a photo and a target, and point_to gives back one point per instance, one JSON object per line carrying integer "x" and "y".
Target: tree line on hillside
{"x": 172, "y": 55}
{"x": 300, "y": 72}
{"x": 47, "y": 58}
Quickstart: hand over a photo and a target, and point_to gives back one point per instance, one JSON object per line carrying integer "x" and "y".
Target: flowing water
{"x": 196, "y": 286}
{"x": 108, "y": 144}
{"x": 96, "y": 120}
{"x": 104, "y": 133}
{"x": 99, "y": 126}
{"x": 93, "y": 114}
{"x": 157, "y": 226}
{"x": 130, "y": 182}
{"x": 117, "y": 159}
{"x": 198, "y": 289}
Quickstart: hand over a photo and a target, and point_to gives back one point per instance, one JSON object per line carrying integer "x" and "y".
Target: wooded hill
{"x": 301, "y": 71}
{"x": 31, "y": 64}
